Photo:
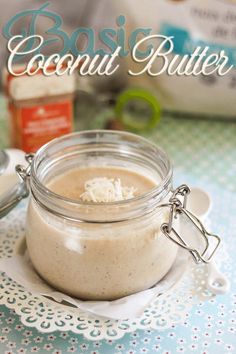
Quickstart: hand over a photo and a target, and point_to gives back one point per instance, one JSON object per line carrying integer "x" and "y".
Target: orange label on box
{"x": 37, "y": 125}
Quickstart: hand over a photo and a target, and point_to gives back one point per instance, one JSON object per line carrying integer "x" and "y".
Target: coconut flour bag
{"x": 193, "y": 23}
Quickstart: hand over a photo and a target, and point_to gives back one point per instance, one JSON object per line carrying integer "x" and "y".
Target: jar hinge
{"x": 20, "y": 190}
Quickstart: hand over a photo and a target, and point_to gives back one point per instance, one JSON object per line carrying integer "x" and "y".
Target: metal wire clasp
{"x": 24, "y": 172}
{"x": 178, "y": 203}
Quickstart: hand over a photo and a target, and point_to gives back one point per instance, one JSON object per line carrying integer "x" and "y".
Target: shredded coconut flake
{"x": 105, "y": 190}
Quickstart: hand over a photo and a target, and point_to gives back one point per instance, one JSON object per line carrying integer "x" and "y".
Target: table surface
{"x": 204, "y": 154}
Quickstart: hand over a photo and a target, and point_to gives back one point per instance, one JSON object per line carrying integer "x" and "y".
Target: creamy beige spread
{"x": 99, "y": 261}
{"x": 72, "y": 184}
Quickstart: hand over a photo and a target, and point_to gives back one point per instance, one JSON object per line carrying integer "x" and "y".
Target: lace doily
{"x": 48, "y": 316}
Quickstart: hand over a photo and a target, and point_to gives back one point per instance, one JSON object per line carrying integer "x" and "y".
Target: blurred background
{"x": 41, "y": 108}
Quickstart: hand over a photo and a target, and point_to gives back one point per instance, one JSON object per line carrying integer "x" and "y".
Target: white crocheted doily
{"x": 48, "y": 316}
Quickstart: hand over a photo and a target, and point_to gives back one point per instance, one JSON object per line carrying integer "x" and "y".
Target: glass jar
{"x": 104, "y": 251}
{"x": 99, "y": 251}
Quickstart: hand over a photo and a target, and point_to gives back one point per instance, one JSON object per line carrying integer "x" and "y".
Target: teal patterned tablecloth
{"x": 204, "y": 155}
